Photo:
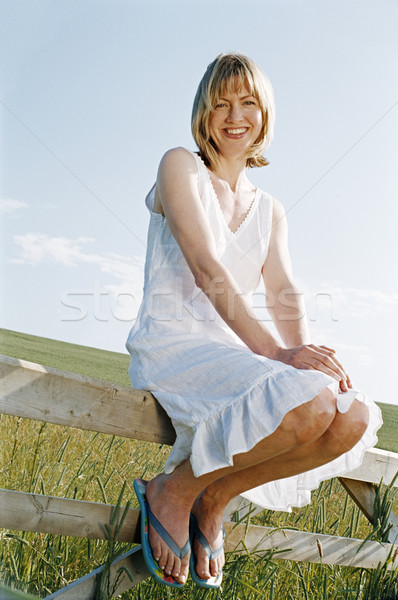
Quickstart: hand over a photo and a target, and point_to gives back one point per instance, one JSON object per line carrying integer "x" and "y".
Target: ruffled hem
{"x": 284, "y": 494}
{"x": 237, "y": 428}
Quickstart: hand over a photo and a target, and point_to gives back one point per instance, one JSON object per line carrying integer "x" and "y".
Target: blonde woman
{"x": 254, "y": 416}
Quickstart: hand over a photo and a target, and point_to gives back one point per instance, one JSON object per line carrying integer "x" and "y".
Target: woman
{"x": 253, "y": 416}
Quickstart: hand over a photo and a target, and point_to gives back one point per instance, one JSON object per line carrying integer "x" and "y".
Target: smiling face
{"x": 233, "y": 96}
{"x": 236, "y": 121}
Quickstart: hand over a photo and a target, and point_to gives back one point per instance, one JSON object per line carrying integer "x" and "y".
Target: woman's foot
{"x": 209, "y": 516}
{"x": 172, "y": 509}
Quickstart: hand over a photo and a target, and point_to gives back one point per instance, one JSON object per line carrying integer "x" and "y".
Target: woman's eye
{"x": 220, "y": 105}
{"x": 250, "y": 102}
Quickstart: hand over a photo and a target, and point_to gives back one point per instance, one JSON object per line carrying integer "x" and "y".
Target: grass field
{"x": 112, "y": 366}
{"x": 60, "y": 461}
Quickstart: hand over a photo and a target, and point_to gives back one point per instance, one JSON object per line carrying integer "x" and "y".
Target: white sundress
{"x": 223, "y": 398}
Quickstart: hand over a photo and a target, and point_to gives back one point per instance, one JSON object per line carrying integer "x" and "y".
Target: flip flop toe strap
{"x": 211, "y": 554}
{"x": 156, "y": 524}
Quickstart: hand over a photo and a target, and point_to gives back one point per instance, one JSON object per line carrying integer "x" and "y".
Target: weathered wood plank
{"x": 86, "y": 519}
{"x": 46, "y": 394}
{"x": 62, "y": 516}
{"x": 364, "y": 494}
{"x": 376, "y": 464}
{"x": 42, "y": 393}
{"x": 290, "y": 545}
{"x": 85, "y": 587}
{"x": 308, "y": 547}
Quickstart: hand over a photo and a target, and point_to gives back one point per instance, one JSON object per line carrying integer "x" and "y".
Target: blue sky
{"x": 93, "y": 94}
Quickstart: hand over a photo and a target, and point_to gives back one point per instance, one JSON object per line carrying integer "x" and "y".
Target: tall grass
{"x": 54, "y": 460}
{"x": 60, "y": 461}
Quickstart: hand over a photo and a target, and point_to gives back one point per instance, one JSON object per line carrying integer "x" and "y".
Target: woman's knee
{"x": 359, "y": 419}
{"x": 348, "y": 428}
{"x": 310, "y": 420}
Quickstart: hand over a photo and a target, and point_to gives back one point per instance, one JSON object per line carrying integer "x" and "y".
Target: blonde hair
{"x": 218, "y": 79}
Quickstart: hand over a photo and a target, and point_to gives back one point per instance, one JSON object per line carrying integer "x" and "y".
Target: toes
{"x": 176, "y": 568}
{"x": 204, "y": 574}
{"x": 181, "y": 577}
{"x": 202, "y": 563}
{"x": 216, "y": 566}
{"x": 157, "y": 552}
{"x": 203, "y": 570}
{"x": 220, "y": 563}
{"x": 212, "y": 568}
{"x": 169, "y": 564}
{"x": 184, "y": 571}
{"x": 162, "y": 562}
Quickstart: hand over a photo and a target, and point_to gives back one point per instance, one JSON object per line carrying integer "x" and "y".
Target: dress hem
{"x": 297, "y": 492}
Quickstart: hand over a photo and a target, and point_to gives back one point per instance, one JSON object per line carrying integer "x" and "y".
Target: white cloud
{"x": 339, "y": 301}
{"x": 327, "y": 303}
{"x": 10, "y": 207}
{"x": 41, "y": 248}
{"x": 338, "y": 314}
{"x": 121, "y": 300}
{"x": 38, "y": 248}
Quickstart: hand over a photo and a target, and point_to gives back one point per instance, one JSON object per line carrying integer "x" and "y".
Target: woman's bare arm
{"x": 286, "y": 307}
{"x": 284, "y": 300}
{"x": 177, "y": 192}
{"x": 178, "y": 196}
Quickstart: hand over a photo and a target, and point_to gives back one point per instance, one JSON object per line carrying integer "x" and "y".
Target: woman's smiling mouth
{"x": 238, "y": 131}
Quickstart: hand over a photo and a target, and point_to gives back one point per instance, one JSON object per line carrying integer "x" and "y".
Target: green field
{"x": 112, "y": 366}
{"x": 65, "y": 462}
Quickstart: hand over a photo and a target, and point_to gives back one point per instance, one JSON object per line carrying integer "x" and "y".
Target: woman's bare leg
{"x": 171, "y": 496}
{"x": 345, "y": 431}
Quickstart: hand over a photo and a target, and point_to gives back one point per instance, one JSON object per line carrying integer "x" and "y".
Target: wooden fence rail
{"x": 46, "y": 394}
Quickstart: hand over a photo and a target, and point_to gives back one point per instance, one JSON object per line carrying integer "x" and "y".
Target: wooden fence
{"x": 46, "y": 394}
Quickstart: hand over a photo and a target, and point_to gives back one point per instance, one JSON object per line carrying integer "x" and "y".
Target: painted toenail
{"x": 182, "y": 579}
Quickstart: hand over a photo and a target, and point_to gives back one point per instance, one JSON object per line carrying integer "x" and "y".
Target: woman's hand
{"x": 319, "y": 358}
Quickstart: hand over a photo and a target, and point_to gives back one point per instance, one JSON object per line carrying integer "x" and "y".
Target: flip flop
{"x": 195, "y": 532}
{"x": 147, "y": 517}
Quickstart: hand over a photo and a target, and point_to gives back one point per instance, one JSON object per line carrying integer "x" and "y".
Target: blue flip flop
{"x": 196, "y": 533}
{"x": 147, "y": 517}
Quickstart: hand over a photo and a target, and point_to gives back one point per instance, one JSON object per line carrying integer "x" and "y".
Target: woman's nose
{"x": 235, "y": 113}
